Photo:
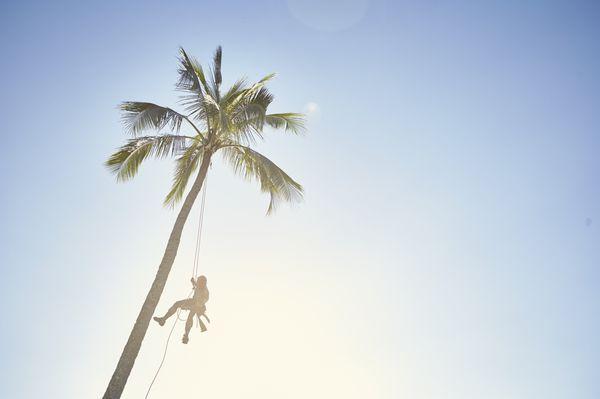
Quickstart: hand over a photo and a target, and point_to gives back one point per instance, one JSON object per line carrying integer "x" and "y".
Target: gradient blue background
{"x": 452, "y": 213}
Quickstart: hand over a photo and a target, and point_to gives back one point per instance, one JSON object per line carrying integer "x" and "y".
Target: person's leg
{"x": 189, "y": 323}
{"x": 171, "y": 311}
{"x": 202, "y": 325}
{"x": 202, "y": 312}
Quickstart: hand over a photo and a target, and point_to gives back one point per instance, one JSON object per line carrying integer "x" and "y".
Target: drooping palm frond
{"x": 274, "y": 181}
{"x": 126, "y": 161}
{"x": 140, "y": 116}
{"x": 289, "y": 121}
{"x": 185, "y": 166}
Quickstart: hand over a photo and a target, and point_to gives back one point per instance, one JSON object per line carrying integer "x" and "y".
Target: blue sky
{"x": 448, "y": 242}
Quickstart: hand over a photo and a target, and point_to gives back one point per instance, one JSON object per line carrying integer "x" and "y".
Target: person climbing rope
{"x": 196, "y": 306}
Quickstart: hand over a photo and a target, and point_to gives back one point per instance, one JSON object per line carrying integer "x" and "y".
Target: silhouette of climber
{"x": 196, "y": 305}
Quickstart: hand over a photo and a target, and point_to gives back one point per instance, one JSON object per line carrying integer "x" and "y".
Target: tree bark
{"x": 134, "y": 343}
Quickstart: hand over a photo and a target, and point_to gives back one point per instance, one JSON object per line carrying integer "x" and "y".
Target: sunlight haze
{"x": 448, "y": 243}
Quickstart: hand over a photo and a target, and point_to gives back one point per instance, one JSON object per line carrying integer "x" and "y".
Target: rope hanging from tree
{"x": 194, "y": 276}
{"x": 199, "y": 234}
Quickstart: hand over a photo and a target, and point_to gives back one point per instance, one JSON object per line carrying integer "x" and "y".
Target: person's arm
{"x": 193, "y": 282}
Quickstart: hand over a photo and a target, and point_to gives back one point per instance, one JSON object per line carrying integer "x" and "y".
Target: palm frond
{"x": 248, "y": 119}
{"x": 254, "y": 103}
{"x": 192, "y": 81}
{"x": 185, "y": 165}
{"x": 215, "y": 74}
{"x": 264, "y": 80}
{"x": 140, "y": 116}
{"x": 246, "y": 95}
{"x": 289, "y": 121}
{"x": 252, "y": 165}
{"x": 234, "y": 91}
{"x": 126, "y": 161}
{"x": 191, "y": 75}
{"x": 217, "y": 66}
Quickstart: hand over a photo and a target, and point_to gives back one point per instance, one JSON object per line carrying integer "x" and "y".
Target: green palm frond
{"x": 246, "y": 95}
{"x": 126, "y": 161}
{"x": 273, "y": 180}
{"x": 213, "y": 78}
{"x": 218, "y": 77}
{"x": 258, "y": 86}
{"x": 254, "y": 103}
{"x": 191, "y": 75}
{"x": 264, "y": 80}
{"x": 192, "y": 81}
{"x": 289, "y": 121}
{"x": 248, "y": 128}
{"x": 248, "y": 118}
{"x": 185, "y": 166}
{"x": 140, "y": 116}
{"x": 233, "y": 93}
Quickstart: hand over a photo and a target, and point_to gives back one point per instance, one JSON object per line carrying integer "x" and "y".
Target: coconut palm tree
{"x": 220, "y": 122}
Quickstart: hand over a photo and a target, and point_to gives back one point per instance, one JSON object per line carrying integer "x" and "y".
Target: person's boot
{"x": 160, "y": 321}
{"x": 185, "y": 339}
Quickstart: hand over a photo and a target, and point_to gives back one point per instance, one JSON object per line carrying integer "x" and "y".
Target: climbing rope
{"x": 163, "y": 357}
{"x": 194, "y": 275}
{"x": 199, "y": 234}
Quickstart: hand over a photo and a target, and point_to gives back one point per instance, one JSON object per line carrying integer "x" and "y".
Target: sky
{"x": 448, "y": 245}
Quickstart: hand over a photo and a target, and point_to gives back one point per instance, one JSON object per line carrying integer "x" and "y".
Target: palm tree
{"x": 227, "y": 123}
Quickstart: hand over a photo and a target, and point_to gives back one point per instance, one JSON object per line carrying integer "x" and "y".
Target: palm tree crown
{"x": 228, "y": 123}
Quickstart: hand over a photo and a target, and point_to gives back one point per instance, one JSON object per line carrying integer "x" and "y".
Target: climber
{"x": 196, "y": 306}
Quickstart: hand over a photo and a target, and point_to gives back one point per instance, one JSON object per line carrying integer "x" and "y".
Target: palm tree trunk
{"x": 132, "y": 347}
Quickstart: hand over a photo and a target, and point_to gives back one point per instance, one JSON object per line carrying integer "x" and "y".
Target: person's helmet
{"x": 201, "y": 280}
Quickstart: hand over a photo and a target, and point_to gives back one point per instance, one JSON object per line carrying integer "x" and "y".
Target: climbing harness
{"x": 194, "y": 276}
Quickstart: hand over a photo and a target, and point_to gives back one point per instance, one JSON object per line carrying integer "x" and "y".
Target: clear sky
{"x": 448, "y": 246}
